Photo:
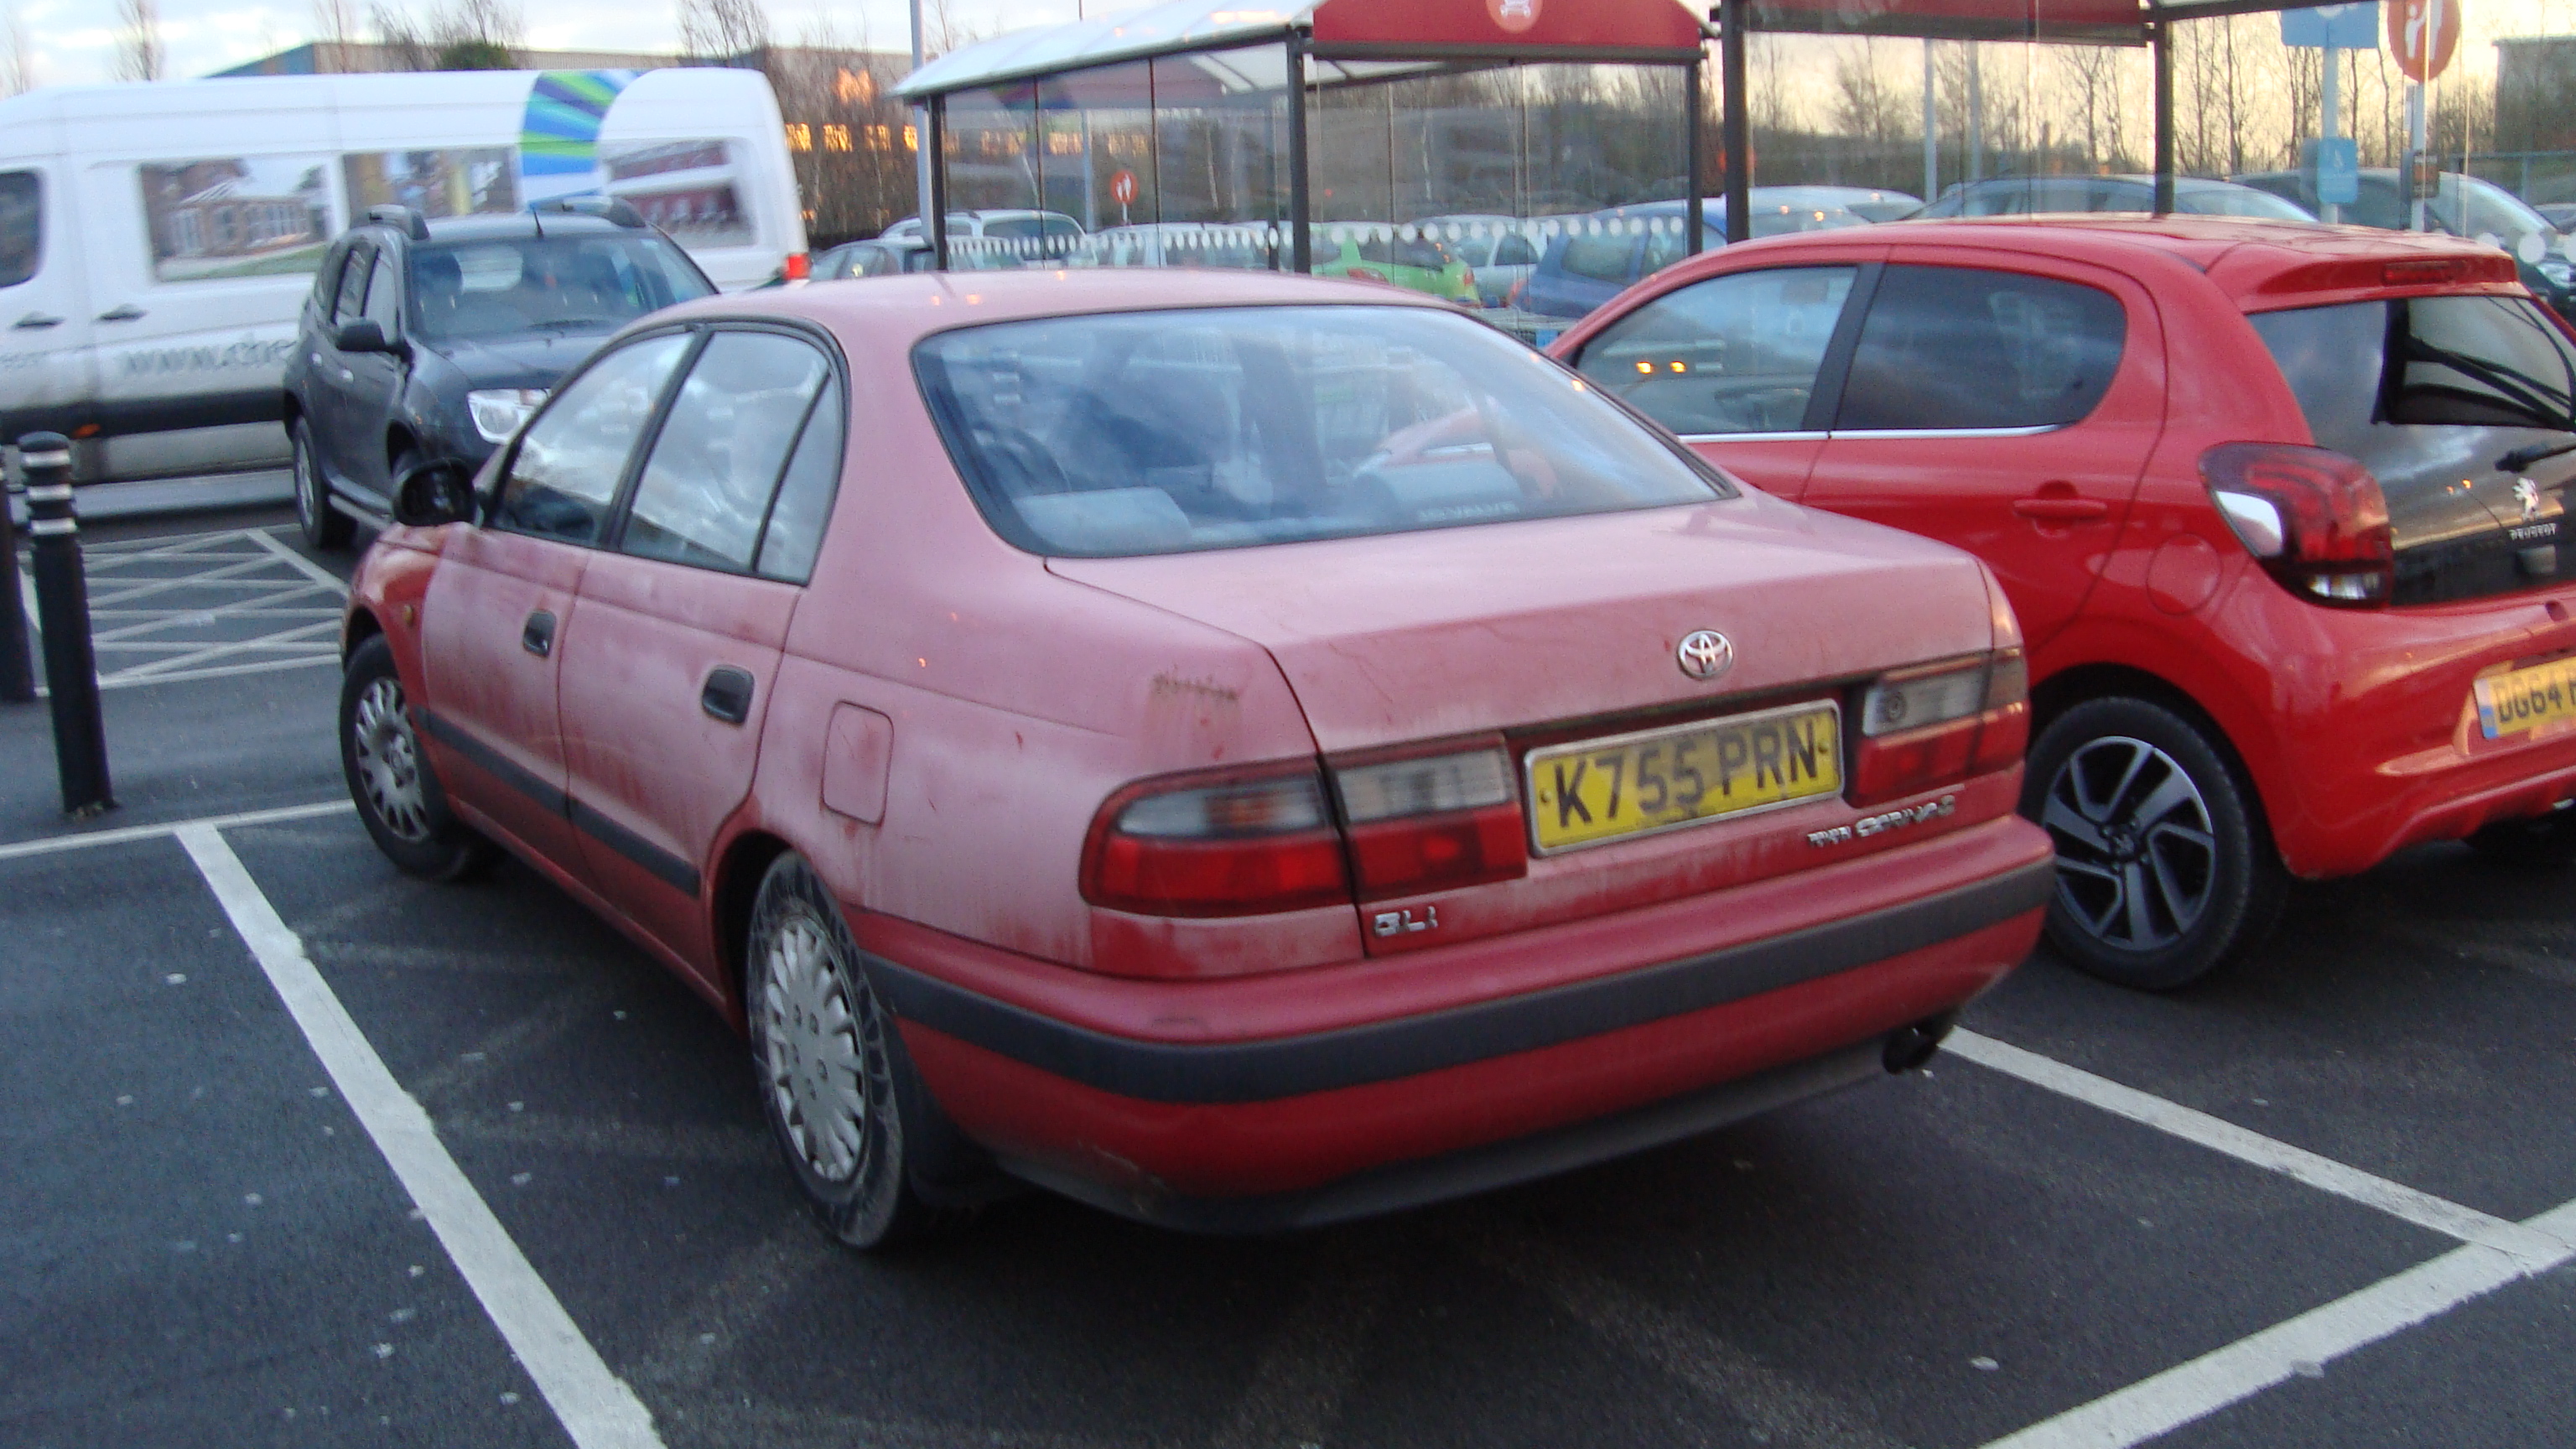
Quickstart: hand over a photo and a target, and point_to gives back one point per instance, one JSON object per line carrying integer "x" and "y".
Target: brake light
{"x": 1431, "y": 822}
{"x": 1228, "y": 845}
{"x": 1939, "y": 724}
{"x": 799, "y": 267}
{"x": 2316, "y": 519}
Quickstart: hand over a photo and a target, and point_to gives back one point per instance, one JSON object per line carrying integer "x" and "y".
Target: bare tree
{"x": 335, "y": 29}
{"x": 724, "y": 32}
{"x": 140, "y": 55}
{"x": 466, "y": 35}
{"x": 19, "y": 76}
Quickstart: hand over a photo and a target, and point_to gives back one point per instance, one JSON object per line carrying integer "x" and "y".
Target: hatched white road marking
{"x": 2298, "y": 1348}
{"x": 52, "y": 844}
{"x": 208, "y": 605}
{"x": 596, "y": 1408}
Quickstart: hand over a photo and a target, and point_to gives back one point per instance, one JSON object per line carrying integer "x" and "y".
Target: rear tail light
{"x": 1432, "y": 822}
{"x": 1224, "y": 846}
{"x": 799, "y": 267}
{"x": 2316, "y": 519}
{"x": 1940, "y": 724}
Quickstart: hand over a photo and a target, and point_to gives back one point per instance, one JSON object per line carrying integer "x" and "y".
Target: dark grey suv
{"x": 426, "y": 340}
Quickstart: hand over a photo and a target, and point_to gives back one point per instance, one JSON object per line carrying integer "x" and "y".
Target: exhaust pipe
{"x": 1910, "y": 1047}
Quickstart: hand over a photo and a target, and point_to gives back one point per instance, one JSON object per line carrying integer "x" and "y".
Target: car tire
{"x": 398, "y": 796}
{"x": 843, "y": 1102}
{"x": 2538, "y": 844}
{"x": 325, "y": 527}
{"x": 2165, "y": 871}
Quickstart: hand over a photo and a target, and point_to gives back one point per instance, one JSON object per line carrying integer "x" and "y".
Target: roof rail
{"x": 606, "y": 208}
{"x": 394, "y": 213}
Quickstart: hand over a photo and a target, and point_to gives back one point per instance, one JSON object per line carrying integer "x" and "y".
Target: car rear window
{"x": 1165, "y": 432}
{"x": 1602, "y": 258}
{"x": 2372, "y": 376}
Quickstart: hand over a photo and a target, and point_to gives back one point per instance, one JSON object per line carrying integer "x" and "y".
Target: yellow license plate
{"x": 2526, "y": 699}
{"x": 1630, "y": 785}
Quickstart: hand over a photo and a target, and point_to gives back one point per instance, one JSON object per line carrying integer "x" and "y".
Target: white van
{"x": 156, "y": 241}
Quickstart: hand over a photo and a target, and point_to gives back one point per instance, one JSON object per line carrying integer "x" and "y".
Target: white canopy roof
{"x": 1178, "y": 25}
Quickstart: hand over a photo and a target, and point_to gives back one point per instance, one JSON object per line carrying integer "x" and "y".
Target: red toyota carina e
{"x": 1242, "y": 751}
{"x": 2279, "y": 506}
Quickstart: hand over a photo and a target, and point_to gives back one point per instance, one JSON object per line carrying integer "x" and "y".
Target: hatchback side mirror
{"x": 363, "y": 334}
{"x": 434, "y": 493}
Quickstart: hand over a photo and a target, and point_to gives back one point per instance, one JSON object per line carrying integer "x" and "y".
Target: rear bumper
{"x": 1181, "y": 1103}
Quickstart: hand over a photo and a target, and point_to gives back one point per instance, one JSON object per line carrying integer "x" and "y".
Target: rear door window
{"x": 1951, "y": 348}
{"x": 795, "y": 532}
{"x": 707, "y": 484}
{"x": 22, "y": 226}
{"x": 572, "y": 458}
{"x": 1733, "y": 354}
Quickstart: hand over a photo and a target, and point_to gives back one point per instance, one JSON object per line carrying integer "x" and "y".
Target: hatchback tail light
{"x": 1228, "y": 845}
{"x": 2316, "y": 519}
{"x": 1431, "y": 822}
{"x": 1940, "y": 724}
{"x": 798, "y": 267}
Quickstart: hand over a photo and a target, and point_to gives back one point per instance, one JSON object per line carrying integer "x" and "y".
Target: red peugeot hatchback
{"x": 1241, "y": 751}
{"x": 2280, "y": 508}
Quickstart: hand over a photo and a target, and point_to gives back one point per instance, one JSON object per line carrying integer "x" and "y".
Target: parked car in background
{"x": 1243, "y": 751}
{"x": 2559, "y": 214}
{"x": 1595, "y": 258}
{"x": 2282, "y": 510}
{"x": 2051, "y": 195}
{"x": 878, "y": 258}
{"x": 164, "y": 236}
{"x": 996, "y": 238}
{"x": 1180, "y": 244}
{"x": 1500, "y": 250}
{"x": 1869, "y": 203}
{"x": 2465, "y": 206}
{"x": 427, "y": 340}
{"x": 1399, "y": 256}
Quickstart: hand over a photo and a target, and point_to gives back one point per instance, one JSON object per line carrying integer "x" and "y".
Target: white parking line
{"x": 269, "y": 541}
{"x": 2303, "y": 1345}
{"x": 20, "y": 850}
{"x": 596, "y": 1408}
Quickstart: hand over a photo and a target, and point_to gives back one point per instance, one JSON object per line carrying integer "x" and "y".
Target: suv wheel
{"x": 324, "y": 527}
{"x": 2164, "y": 871}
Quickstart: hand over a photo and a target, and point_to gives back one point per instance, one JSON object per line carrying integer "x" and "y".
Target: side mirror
{"x": 430, "y": 494}
{"x": 363, "y": 334}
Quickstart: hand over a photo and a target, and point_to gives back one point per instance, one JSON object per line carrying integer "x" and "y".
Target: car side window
{"x": 1961, "y": 347}
{"x": 707, "y": 484}
{"x": 571, "y": 459}
{"x": 384, "y": 295}
{"x": 795, "y": 531}
{"x": 352, "y": 292}
{"x": 1514, "y": 251}
{"x": 1734, "y": 354}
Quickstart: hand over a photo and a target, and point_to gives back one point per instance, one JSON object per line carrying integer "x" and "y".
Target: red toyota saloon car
{"x": 1241, "y": 751}
{"x": 2280, "y": 508}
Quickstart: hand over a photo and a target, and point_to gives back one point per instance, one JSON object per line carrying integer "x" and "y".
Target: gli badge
{"x": 1513, "y": 15}
{"x": 1704, "y": 654}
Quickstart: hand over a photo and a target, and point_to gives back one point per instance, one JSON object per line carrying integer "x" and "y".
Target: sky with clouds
{"x": 74, "y": 41}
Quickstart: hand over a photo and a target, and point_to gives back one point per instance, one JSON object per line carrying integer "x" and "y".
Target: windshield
{"x": 514, "y": 285}
{"x": 2491, "y": 210}
{"x": 1163, "y": 432}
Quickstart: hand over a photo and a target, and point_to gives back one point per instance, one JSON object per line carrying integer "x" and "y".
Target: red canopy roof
{"x": 1414, "y": 25}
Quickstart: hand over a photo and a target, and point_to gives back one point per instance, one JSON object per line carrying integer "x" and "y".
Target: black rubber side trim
{"x": 1261, "y": 1071}
{"x": 658, "y": 863}
{"x": 492, "y": 762}
{"x": 201, "y": 410}
{"x": 1479, "y": 1169}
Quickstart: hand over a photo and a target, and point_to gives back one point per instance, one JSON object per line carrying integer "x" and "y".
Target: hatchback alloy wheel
{"x": 387, "y": 757}
{"x": 813, "y": 1050}
{"x": 2136, "y": 856}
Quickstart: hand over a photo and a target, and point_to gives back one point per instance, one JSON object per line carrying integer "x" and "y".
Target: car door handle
{"x": 537, "y": 636}
{"x": 121, "y": 312}
{"x": 2050, "y": 508}
{"x": 35, "y": 320}
{"x": 728, "y": 694}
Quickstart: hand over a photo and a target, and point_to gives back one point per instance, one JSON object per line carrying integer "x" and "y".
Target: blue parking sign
{"x": 2345, "y": 27}
{"x": 2334, "y": 168}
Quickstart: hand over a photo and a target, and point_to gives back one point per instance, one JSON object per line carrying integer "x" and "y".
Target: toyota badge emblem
{"x": 1704, "y": 654}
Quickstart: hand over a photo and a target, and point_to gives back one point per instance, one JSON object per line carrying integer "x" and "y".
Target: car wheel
{"x": 2545, "y": 842}
{"x": 399, "y": 799}
{"x": 324, "y": 527}
{"x": 2164, "y": 870}
{"x": 834, "y": 1080}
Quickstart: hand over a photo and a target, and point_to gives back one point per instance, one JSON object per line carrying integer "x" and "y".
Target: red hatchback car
{"x": 2279, "y": 507}
{"x": 1241, "y": 751}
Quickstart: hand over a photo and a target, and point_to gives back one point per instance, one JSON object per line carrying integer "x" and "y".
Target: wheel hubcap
{"x": 2136, "y": 856}
{"x": 389, "y": 760}
{"x": 813, "y": 1049}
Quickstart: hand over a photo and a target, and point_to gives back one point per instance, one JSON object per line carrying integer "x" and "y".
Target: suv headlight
{"x": 499, "y": 411}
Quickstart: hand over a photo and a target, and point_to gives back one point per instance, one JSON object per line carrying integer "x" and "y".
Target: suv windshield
{"x": 1163, "y": 432}
{"x": 510, "y": 285}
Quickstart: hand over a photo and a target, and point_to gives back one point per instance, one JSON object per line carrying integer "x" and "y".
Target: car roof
{"x": 490, "y": 225}
{"x": 2258, "y": 263}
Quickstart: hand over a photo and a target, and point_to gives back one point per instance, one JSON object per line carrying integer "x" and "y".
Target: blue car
{"x": 1596, "y": 257}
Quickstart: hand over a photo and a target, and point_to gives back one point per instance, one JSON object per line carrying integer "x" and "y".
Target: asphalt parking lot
{"x": 301, "y": 1151}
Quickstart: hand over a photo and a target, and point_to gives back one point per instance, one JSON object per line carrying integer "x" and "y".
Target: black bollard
{"x": 62, "y": 604}
{"x": 17, "y": 674}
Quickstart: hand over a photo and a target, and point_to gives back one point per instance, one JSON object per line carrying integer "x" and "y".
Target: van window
{"x": 22, "y": 226}
{"x": 687, "y": 188}
{"x": 236, "y": 216}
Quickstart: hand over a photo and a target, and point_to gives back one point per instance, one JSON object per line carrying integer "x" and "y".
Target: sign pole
{"x": 2331, "y": 93}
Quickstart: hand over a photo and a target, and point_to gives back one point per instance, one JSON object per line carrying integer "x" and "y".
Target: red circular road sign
{"x": 2422, "y": 34}
{"x": 1122, "y": 187}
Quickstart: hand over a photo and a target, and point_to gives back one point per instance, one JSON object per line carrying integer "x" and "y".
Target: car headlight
{"x": 499, "y": 411}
